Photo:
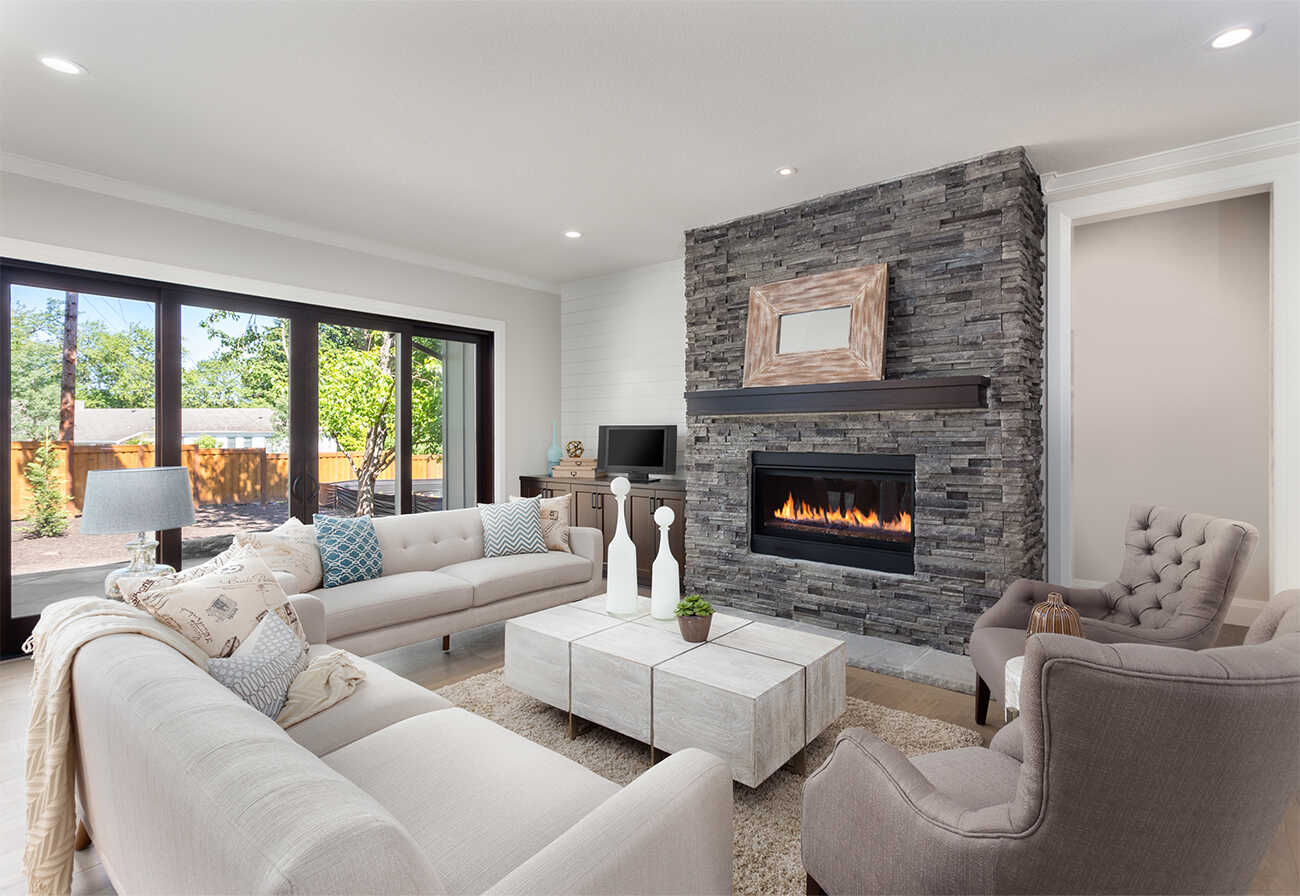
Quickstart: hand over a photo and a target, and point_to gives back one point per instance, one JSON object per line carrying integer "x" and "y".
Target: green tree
{"x": 46, "y": 511}
{"x": 35, "y": 353}
{"x": 205, "y": 442}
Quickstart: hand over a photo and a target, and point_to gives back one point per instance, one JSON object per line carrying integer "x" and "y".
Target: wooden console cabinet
{"x": 593, "y": 505}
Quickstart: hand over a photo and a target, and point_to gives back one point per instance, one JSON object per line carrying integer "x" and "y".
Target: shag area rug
{"x": 766, "y": 817}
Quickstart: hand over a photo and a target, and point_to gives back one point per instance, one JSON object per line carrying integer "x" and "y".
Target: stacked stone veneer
{"x": 964, "y": 249}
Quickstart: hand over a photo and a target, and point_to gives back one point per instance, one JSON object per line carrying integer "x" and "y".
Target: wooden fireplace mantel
{"x": 930, "y": 393}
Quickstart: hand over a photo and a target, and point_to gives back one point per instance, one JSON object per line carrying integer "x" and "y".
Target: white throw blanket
{"x": 64, "y": 627}
{"x": 51, "y": 761}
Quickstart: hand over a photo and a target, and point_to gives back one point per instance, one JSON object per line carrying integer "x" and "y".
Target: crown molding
{"x": 79, "y": 179}
{"x": 1239, "y": 148}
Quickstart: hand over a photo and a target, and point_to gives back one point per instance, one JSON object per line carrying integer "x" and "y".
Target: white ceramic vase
{"x": 620, "y": 577}
{"x": 665, "y": 576}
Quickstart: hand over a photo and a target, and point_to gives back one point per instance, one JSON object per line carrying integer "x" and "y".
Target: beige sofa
{"x": 184, "y": 788}
{"x": 437, "y": 582}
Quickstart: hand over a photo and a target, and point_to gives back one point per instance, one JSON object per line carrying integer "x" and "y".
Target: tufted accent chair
{"x": 1179, "y": 574}
{"x": 1133, "y": 768}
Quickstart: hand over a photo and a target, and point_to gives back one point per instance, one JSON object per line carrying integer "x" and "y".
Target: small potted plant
{"x": 694, "y": 615}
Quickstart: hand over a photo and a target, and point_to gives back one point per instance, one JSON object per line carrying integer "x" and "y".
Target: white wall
{"x": 1171, "y": 374}
{"x": 623, "y": 346}
{"x": 241, "y": 258}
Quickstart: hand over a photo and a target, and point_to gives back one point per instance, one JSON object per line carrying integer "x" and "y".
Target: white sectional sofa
{"x": 437, "y": 582}
{"x": 185, "y": 788}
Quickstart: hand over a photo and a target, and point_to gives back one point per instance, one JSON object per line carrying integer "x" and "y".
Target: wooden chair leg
{"x": 83, "y": 836}
{"x": 446, "y": 643}
{"x": 814, "y": 888}
{"x": 981, "y": 701}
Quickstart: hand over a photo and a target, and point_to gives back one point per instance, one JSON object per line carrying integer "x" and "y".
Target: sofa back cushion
{"x": 429, "y": 541}
{"x": 190, "y": 790}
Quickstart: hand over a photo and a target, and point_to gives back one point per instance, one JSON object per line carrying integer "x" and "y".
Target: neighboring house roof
{"x": 113, "y": 425}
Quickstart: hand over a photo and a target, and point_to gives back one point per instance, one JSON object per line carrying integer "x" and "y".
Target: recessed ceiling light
{"x": 573, "y": 234}
{"x": 1232, "y": 37}
{"x": 61, "y": 65}
{"x": 787, "y": 171}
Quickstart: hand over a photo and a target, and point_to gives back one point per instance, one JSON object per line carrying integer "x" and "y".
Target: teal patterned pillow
{"x": 349, "y": 549}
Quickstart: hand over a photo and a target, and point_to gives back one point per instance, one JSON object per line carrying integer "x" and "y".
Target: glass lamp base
{"x": 142, "y": 565}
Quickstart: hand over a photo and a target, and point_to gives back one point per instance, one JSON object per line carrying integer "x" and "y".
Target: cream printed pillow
{"x": 130, "y": 586}
{"x": 555, "y": 522}
{"x": 219, "y": 610}
{"x": 289, "y": 548}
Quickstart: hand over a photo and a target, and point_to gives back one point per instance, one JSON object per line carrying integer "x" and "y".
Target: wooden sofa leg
{"x": 981, "y": 701}
{"x": 83, "y": 836}
{"x": 446, "y": 643}
{"x": 814, "y": 888}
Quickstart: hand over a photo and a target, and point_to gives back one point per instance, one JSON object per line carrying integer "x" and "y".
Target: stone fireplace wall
{"x": 964, "y": 249}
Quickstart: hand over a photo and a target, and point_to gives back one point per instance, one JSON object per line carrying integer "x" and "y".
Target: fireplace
{"x": 849, "y": 509}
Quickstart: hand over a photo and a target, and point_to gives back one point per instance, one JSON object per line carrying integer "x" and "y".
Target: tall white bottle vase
{"x": 620, "y": 579}
{"x": 665, "y": 587}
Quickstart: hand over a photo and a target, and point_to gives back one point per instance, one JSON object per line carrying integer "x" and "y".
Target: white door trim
{"x": 1278, "y": 175}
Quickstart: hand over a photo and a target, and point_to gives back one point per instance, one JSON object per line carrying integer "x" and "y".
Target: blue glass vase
{"x": 555, "y": 453}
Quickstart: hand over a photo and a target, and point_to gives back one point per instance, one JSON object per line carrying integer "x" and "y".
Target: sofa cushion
{"x": 478, "y": 799}
{"x": 428, "y": 541}
{"x": 496, "y": 578}
{"x": 379, "y": 701}
{"x": 973, "y": 777}
{"x": 362, "y": 606}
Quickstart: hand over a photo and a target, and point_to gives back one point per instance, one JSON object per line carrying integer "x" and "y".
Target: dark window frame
{"x": 304, "y": 321}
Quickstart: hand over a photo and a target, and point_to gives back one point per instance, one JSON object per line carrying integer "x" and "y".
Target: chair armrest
{"x": 1018, "y": 601}
{"x": 311, "y": 613}
{"x": 667, "y": 832}
{"x": 872, "y": 823}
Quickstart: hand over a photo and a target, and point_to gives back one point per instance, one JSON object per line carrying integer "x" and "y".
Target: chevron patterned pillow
{"x": 349, "y": 549}
{"x": 512, "y": 528}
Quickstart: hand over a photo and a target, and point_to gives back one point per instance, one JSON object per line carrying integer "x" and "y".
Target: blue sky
{"x": 118, "y": 314}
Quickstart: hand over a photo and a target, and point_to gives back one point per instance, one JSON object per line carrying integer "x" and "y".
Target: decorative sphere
{"x": 664, "y": 516}
{"x": 620, "y": 486}
{"x": 573, "y": 449}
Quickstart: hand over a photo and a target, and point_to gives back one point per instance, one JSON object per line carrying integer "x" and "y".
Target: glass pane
{"x": 358, "y": 420}
{"x": 444, "y": 415}
{"x": 234, "y": 425}
{"x": 81, "y": 398}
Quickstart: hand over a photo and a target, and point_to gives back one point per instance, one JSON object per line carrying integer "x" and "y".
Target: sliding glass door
{"x": 234, "y": 424}
{"x": 276, "y": 409}
{"x": 81, "y": 398}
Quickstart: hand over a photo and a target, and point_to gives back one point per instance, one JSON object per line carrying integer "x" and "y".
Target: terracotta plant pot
{"x": 695, "y": 628}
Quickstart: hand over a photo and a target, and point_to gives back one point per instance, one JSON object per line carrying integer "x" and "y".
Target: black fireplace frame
{"x": 880, "y": 557}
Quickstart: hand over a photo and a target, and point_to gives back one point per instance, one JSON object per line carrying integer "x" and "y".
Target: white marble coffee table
{"x": 754, "y": 694}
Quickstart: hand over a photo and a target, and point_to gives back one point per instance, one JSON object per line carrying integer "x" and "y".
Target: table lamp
{"x": 141, "y": 501}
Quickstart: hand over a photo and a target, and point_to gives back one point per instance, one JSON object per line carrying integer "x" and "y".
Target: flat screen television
{"x": 637, "y": 451}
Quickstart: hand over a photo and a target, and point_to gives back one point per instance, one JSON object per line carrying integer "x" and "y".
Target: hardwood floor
{"x": 483, "y": 650}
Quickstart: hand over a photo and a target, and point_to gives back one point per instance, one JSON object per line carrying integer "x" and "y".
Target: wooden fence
{"x": 217, "y": 475}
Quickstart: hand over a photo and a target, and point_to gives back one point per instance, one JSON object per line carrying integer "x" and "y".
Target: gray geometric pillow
{"x": 262, "y": 668}
{"x": 512, "y": 528}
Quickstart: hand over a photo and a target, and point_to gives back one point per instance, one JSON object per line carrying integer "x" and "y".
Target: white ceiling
{"x": 482, "y": 131}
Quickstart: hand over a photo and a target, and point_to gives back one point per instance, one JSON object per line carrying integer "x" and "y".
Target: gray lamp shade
{"x": 136, "y": 500}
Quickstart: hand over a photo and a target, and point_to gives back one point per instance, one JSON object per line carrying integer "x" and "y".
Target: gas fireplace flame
{"x": 853, "y": 518}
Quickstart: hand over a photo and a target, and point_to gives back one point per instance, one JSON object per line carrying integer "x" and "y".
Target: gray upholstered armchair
{"x": 1133, "y": 768}
{"x": 1179, "y": 575}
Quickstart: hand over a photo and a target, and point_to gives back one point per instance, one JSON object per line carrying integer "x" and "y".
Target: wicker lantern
{"x": 1054, "y": 616}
